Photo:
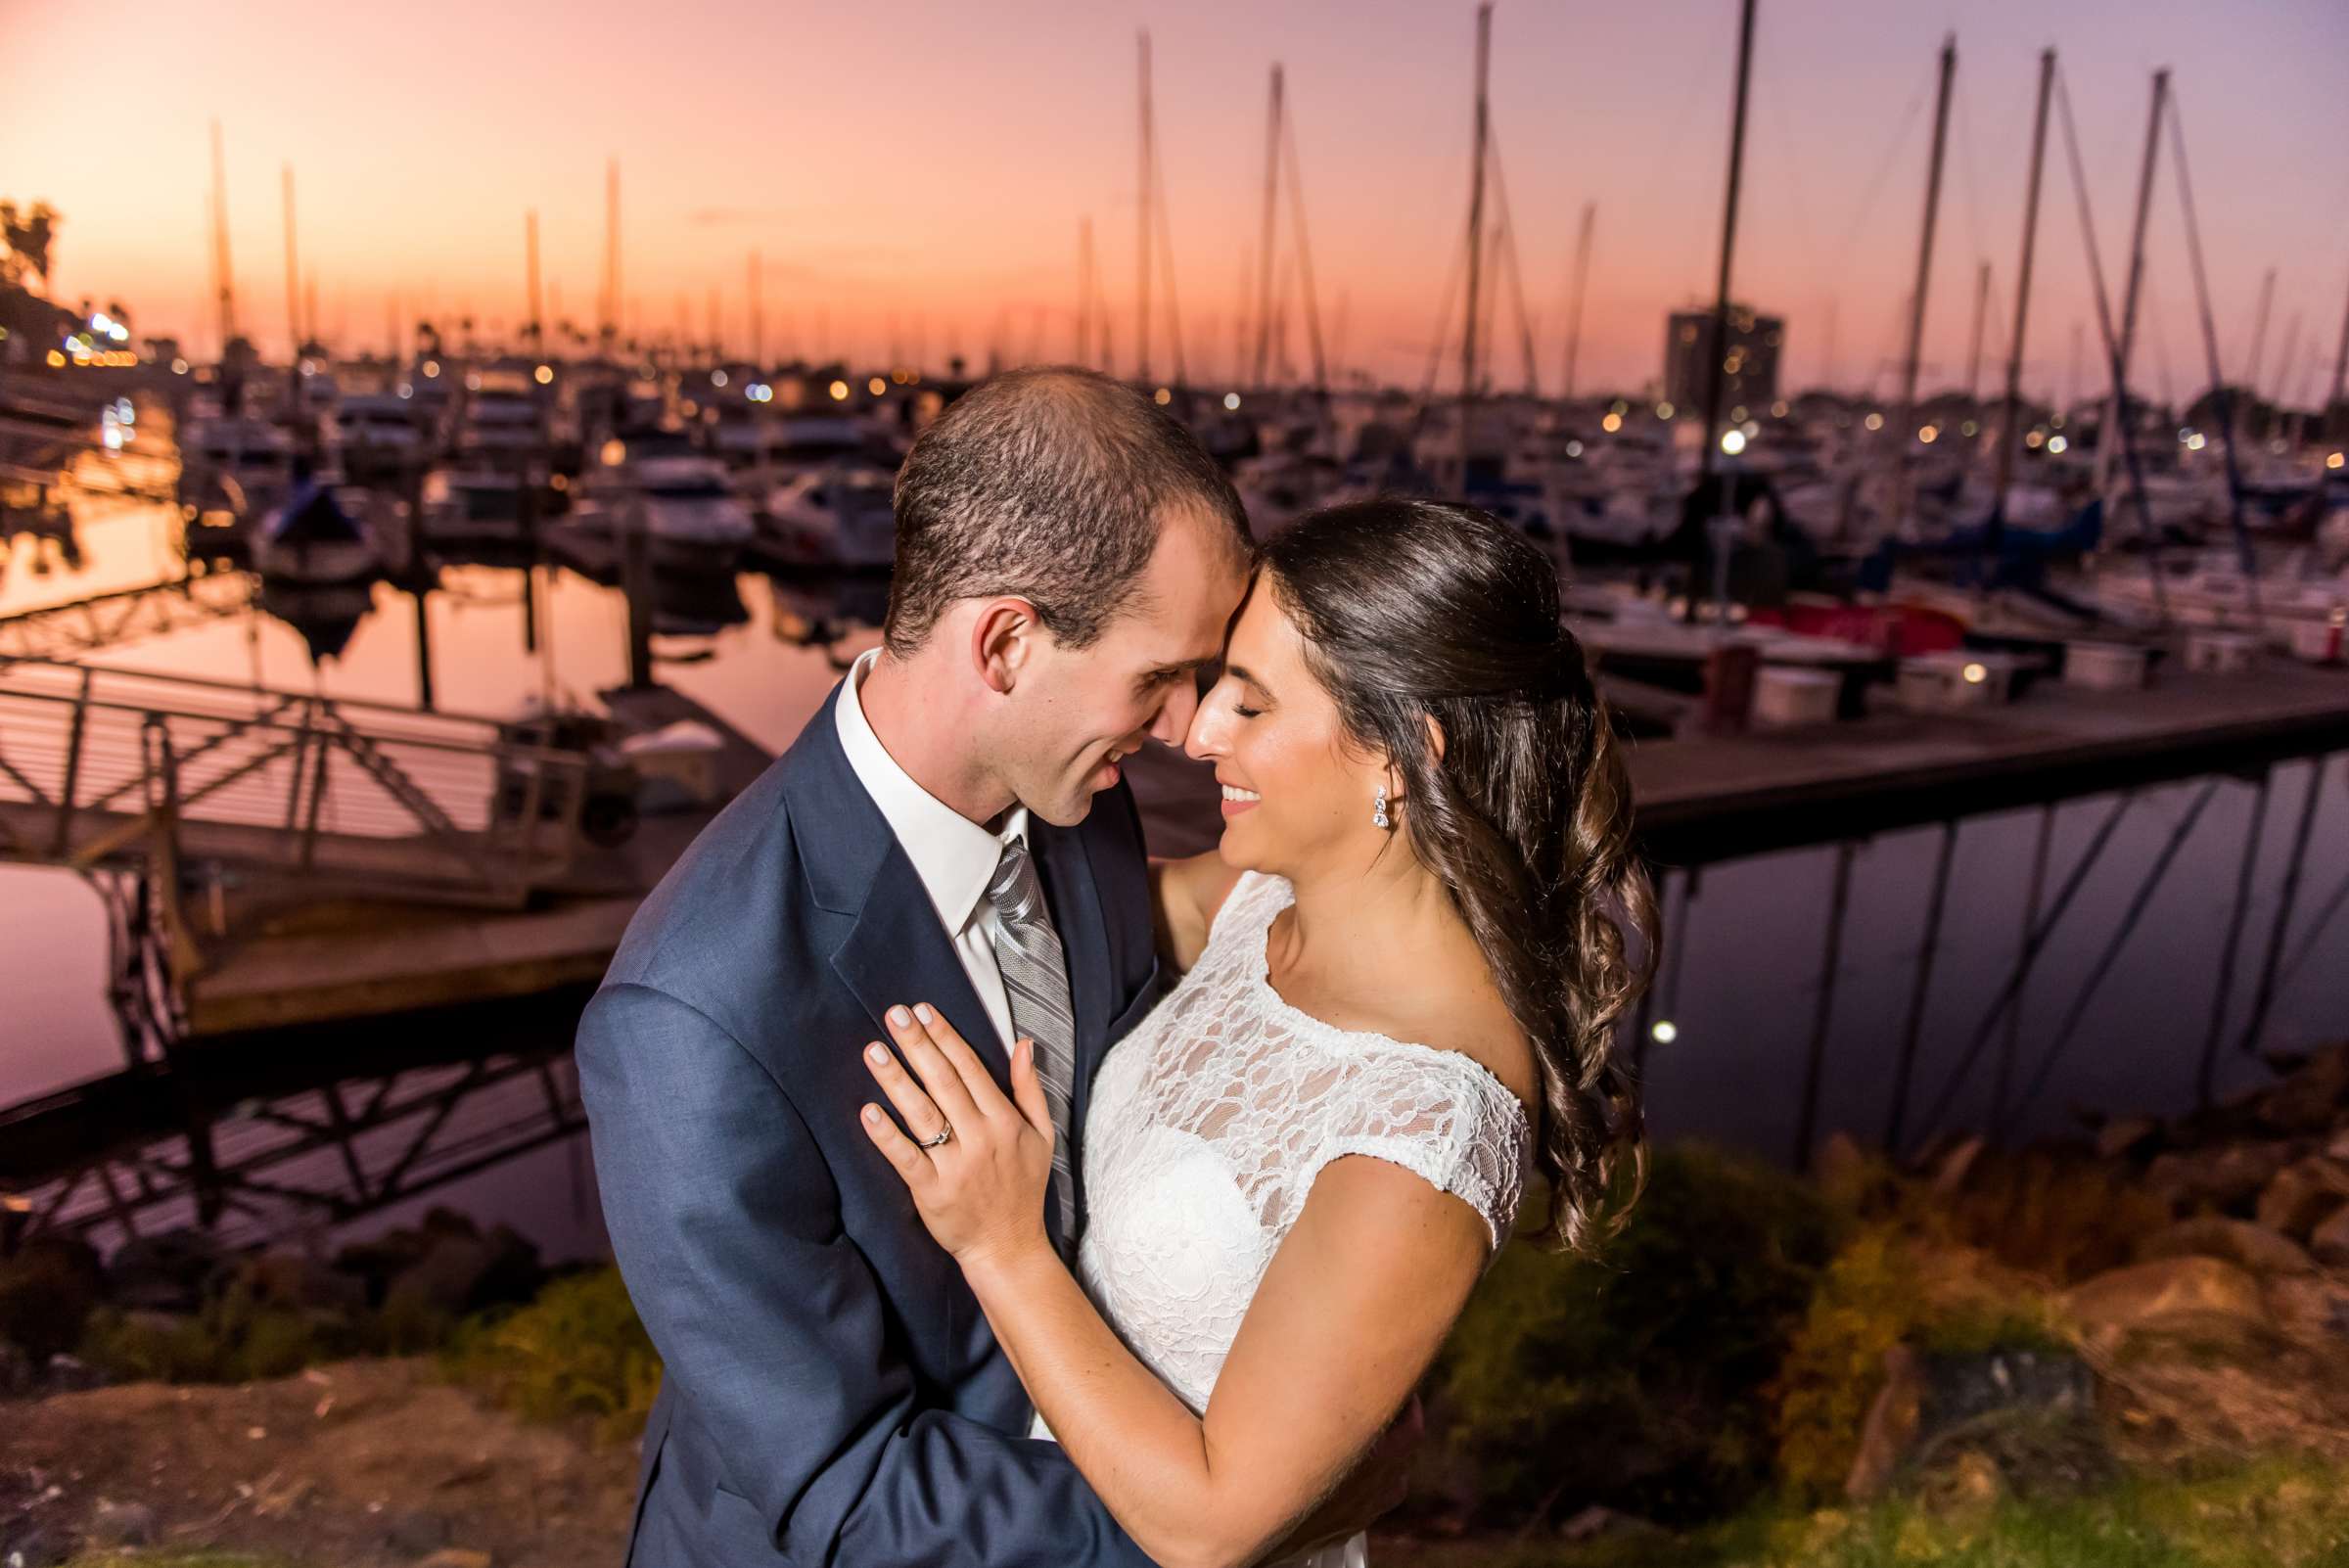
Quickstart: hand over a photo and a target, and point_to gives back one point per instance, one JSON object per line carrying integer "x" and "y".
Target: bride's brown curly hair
{"x": 1414, "y": 610}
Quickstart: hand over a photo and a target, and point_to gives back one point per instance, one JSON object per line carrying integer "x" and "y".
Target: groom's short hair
{"x": 1049, "y": 484}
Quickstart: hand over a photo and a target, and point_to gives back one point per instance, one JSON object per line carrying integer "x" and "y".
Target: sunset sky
{"x": 930, "y": 164}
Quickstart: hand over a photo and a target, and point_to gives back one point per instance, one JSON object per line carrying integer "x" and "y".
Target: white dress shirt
{"x": 954, "y": 857}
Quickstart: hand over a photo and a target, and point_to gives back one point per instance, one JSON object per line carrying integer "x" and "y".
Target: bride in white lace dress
{"x": 1401, "y": 973}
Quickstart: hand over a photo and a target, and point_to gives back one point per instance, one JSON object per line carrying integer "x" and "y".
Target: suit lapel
{"x": 897, "y": 953}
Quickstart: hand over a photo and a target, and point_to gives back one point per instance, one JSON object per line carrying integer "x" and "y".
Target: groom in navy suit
{"x": 1067, "y": 560}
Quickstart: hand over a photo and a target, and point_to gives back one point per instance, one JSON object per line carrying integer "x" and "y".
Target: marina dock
{"x": 326, "y": 928}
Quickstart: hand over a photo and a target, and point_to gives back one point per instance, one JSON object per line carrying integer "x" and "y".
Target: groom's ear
{"x": 1004, "y": 643}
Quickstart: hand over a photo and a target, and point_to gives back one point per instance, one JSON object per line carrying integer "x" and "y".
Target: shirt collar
{"x": 954, "y": 857}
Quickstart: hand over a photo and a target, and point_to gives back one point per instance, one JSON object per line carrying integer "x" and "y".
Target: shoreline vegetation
{"x": 2131, "y": 1350}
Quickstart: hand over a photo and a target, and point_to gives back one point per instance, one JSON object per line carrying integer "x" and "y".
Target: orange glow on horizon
{"x": 913, "y": 180}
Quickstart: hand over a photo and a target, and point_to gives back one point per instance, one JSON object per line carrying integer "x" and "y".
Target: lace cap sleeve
{"x": 1443, "y": 1118}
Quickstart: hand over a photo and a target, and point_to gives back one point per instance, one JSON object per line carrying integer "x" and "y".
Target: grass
{"x": 2275, "y": 1514}
{"x": 578, "y": 1350}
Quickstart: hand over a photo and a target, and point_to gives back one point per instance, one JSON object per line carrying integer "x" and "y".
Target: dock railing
{"x": 103, "y": 766}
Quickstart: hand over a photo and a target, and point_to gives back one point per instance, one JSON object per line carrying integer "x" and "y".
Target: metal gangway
{"x": 118, "y": 769}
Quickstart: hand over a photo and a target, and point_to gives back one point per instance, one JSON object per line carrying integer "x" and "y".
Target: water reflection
{"x": 271, "y": 1140}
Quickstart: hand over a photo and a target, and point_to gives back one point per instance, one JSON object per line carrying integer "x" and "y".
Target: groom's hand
{"x": 1373, "y": 1489}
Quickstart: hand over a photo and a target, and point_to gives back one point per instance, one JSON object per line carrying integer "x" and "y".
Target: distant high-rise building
{"x": 1749, "y": 361}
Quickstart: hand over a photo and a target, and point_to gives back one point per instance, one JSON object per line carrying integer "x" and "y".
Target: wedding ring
{"x": 945, "y": 1134}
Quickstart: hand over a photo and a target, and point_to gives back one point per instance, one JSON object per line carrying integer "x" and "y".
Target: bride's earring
{"x": 1378, "y": 808}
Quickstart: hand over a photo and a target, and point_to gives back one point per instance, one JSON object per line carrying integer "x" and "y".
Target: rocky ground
{"x": 2152, "y": 1317}
{"x": 354, "y": 1463}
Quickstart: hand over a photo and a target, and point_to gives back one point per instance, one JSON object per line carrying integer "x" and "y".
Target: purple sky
{"x": 928, "y": 164}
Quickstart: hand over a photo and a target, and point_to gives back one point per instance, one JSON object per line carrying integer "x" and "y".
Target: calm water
{"x": 1750, "y": 944}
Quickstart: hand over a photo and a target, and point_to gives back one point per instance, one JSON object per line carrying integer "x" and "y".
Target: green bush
{"x": 578, "y": 1350}
{"x": 47, "y": 1292}
{"x": 1636, "y": 1379}
{"x": 234, "y": 1339}
{"x": 2061, "y": 1218}
{"x": 1883, "y": 1289}
{"x": 2271, "y": 1514}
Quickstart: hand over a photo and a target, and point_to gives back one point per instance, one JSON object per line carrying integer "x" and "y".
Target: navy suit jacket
{"x": 833, "y": 1394}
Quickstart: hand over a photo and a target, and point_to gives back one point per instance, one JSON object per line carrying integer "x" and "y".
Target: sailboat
{"x": 317, "y": 537}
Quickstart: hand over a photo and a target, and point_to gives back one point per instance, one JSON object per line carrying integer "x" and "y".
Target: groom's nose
{"x": 1174, "y": 715}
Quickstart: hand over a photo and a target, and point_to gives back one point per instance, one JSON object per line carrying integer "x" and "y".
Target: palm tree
{"x": 25, "y": 242}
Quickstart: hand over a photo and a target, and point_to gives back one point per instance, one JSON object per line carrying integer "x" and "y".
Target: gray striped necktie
{"x": 1035, "y": 982}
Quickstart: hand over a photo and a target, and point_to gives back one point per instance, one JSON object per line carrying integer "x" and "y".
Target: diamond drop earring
{"x": 1378, "y": 808}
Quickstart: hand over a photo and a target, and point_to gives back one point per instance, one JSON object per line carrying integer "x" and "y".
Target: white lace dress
{"x": 1206, "y": 1128}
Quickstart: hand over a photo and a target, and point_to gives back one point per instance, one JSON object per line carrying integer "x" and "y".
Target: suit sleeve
{"x": 724, "y": 1218}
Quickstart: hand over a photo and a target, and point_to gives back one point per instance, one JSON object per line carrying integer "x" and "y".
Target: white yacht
{"x": 840, "y": 515}
{"x": 683, "y": 503}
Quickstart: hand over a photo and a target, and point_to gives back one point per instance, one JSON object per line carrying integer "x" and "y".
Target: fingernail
{"x": 921, "y": 1010}
{"x": 876, "y": 1053}
{"x": 899, "y": 1017}
{"x": 872, "y": 1115}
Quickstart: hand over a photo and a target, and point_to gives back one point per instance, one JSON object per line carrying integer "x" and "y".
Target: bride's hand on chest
{"x": 976, "y": 1161}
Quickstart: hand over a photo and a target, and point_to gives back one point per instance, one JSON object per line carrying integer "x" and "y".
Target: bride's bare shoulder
{"x": 1455, "y": 1007}
{"x": 1187, "y": 896}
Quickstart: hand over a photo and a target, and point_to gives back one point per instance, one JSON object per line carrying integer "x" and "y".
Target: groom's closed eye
{"x": 1165, "y": 676}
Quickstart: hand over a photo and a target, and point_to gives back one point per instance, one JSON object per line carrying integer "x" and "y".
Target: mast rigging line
{"x": 1965, "y": 162}
{"x": 1509, "y": 257}
{"x": 1875, "y": 184}
{"x": 1794, "y": 176}
{"x": 1304, "y": 249}
{"x": 2222, "y": 400}
{"x": 2113, "y": 368}
{"x": 2102, "y": 967}
{"x": 1442, "y": 338}
{"x": 2010, "y": 994}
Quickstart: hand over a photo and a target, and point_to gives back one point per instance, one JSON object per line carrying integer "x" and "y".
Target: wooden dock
{"x": 1722, "y": 796}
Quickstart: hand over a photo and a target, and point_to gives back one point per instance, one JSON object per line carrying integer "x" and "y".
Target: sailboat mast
{"x": 2108, "y": 448}
{"x": 1728, "y": 250}
{"x": 1084, "y": 290}
{"x": 1582, "y": 282}
{"x": 2259, "y": 331}
{"x": 1142, "y": 248}
{"x": 1476, "y": 211}
{"x": 2340, "y": 373}
{"x": 534, "y": 328}
{"x": 609, "y": 327}
{"x": 755, "y": 283}
{"x": 225, "y": 276}
{"x": 1305, "y": 251}
{"x": 1973, "y": 359}
{"x": 1264, "y": 276}
{"x": 2010, "y": 413}
{"x": 292, "y": 276}
{"x": 1904, "y": 431}
{"x": 2283, "y": 373}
